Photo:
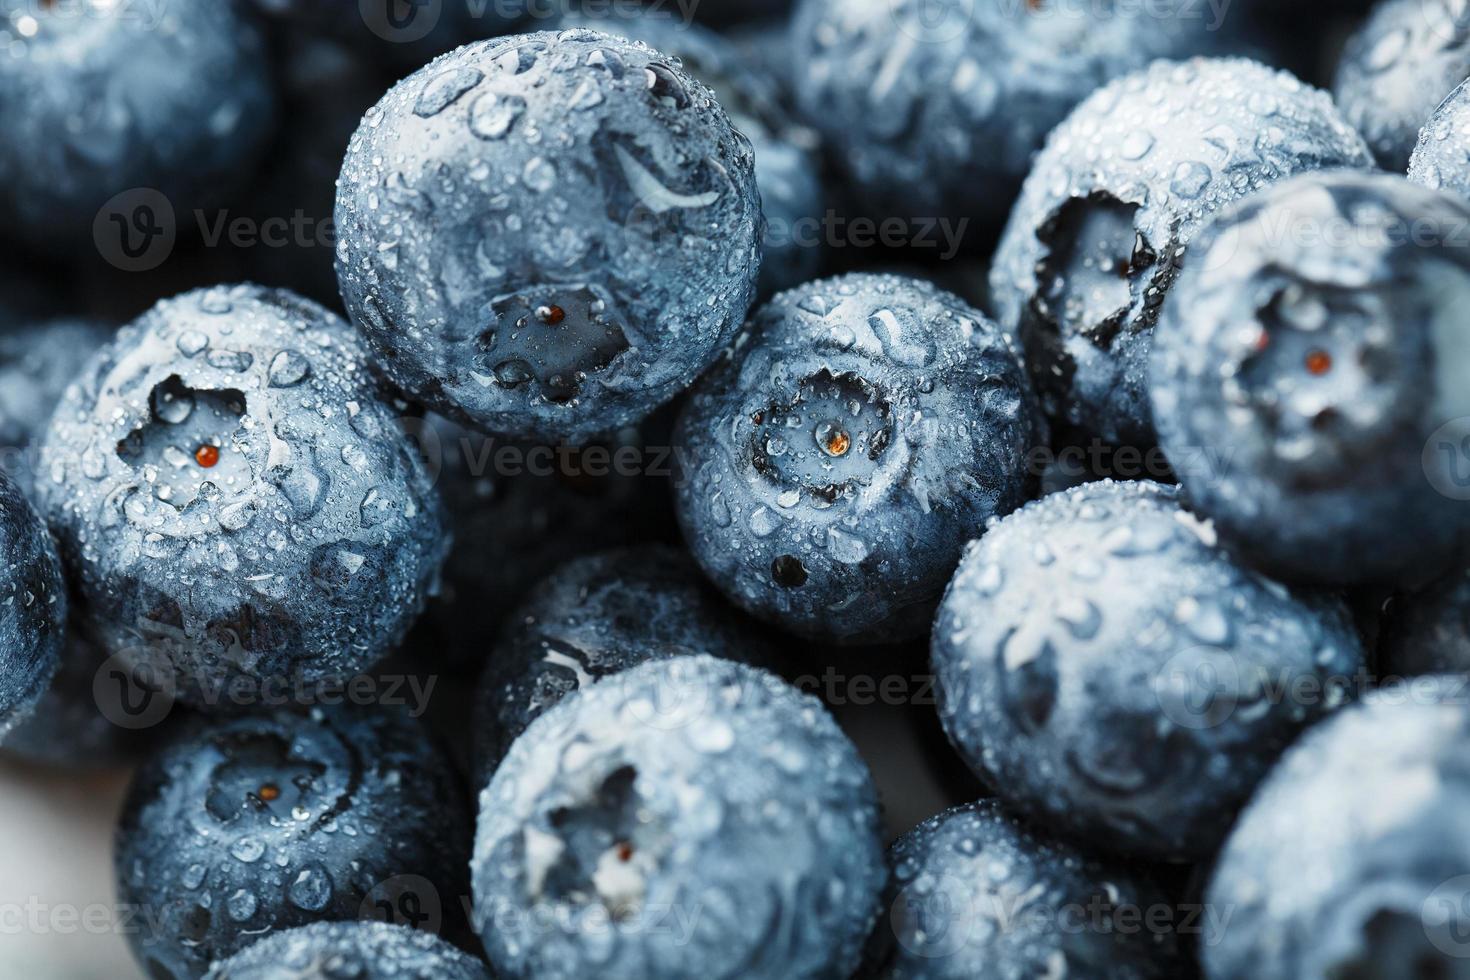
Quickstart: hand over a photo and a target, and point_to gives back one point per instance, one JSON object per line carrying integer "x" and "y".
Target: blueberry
{"x": 689, "y": 817}
{"x": 37, "y": 363}
{"x": 1397, "y": 67}
{"x": 835, "y": 464}
{"x": 360, "y": 950}
{"x": 1428, "y": 631}
{"x": 1353, "y": 859}
{"x": 38, "y": 360}
{"x": 959, "y": 873}
{"x": 935, "y": 109}
{"x": 1442, "y": 158}
{"x": 32, "y": 607}
{"x": 549, "y": 287}
{"x": 98, "y": 98}
{"x": 1323, "y": 370}
{"x": 276, "y": 820}
{"x": 235, "y": 500}
{"x": 1110, "y": 671}
{"x": 594, "y": 617}
{"x": 788, "y": 168}
{"x": 1099, "y": 234}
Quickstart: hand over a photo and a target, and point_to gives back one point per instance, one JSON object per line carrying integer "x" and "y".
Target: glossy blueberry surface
{"x": 359, "y": 950}
{"x": 556, "y": 286}
{"x": 1100, "y": 232}
{"x": 1353, "y": 859}
{"x": 234, "y": 499}
{"x": 281, "y": 819}
{"x": 834, "y": 465}
{"x": 686, "y": 818}
{"x": 788, "y": 164}
{"x": 1109, "y": 670}
{"x": 592, "y": 618}
{"x": 1442, "y": 156}
{"x": 955, "y": 876}
{"x": 1397, "y": 67}
{"x": 1321, "y": 372}
{"x": 936, "y": 107}
{"x": 98, "y": 98}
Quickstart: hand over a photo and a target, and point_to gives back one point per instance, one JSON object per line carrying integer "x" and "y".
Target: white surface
{"x": 58, "y": 918}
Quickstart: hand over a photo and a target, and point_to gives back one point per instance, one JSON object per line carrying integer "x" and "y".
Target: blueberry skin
{"x": 89, "y": 111}
{"x": 787, "y": 158}
{"x": 1321, "y": 367}
{"x": 235, "y": 501}
{"x": 843, "y": 523}
{"x": 936, "y": 109}
{"x": 38, "y": 360}
{"x": 360, "y": 950}
{"x": 548, "y": 287}
{"x": 706, "y": 788}
{"x": 33, "y": 606}
{"x": 1428, "y": 631}
{"x": 1353, "y": 860}
{"x": 1098, "y": 236}
{"x": 594, "y": 617}
{"x": 1105, "y": 668}
{"x": 276, "y": 820}
{"x": 1397, "y": 68}
{"x": 954, "y": 872}
{"x": 1442, "y": 158}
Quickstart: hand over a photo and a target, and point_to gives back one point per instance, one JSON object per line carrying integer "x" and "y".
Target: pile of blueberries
{"x": 594, "y": 371}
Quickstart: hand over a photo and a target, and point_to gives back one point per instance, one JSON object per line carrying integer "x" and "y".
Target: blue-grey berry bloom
{"x": 359, "y": 950}
{"x": 976, "y": 893}
{"x": 787, "y": 164}
{"x": 686, "y": 818}
{"x": 935, "y": 108}
{"x": 860, "y": 432}
{"x": 99, "y": 97}
{"x": 33, "y": 607}
{"x": 235, "y": 499}
{"x": 1109, "y": 670}
{"x": 1397, "y": 67}
{"x": 1353, "y": 860}
{"x": 280, "y": 819}
{"x": 1122, "y": 187}
{"x": 549, "y": 234}
{"x": 1315, "y": 345}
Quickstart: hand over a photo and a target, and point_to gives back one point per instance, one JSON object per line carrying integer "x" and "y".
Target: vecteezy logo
{"x": 401, "y": 21}
{"x": 935, "y": 920}
{"x": 404, "y": 900}
{"x": 135, "y": 231}
{"x": 1446, "y": 917}
{"x": 935, "y": 21}
{"x": 134, "y": 689}
{"x": 1446, "y": 459}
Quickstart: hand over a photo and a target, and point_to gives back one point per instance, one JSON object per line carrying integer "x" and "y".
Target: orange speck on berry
{"x": 1318, "y": 362}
